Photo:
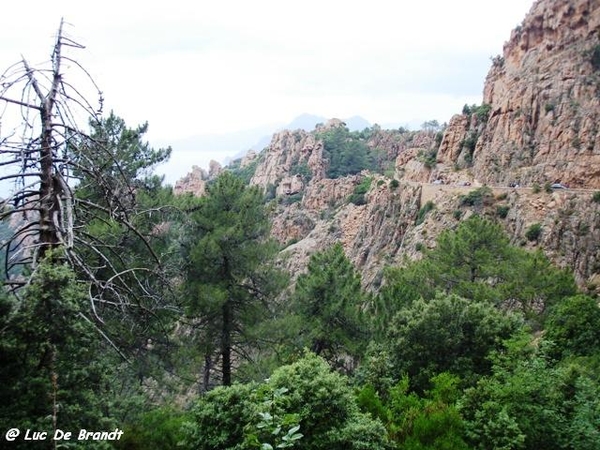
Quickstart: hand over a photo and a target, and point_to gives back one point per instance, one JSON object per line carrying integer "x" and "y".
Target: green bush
{"x": 158, "y": 429}
{"x": 394, "y": 184}
{"x": 534, "y": 232}
{"x": 358, "y": 196}
{"x": 290, "y": 199}
{"x": 477, "y": 197}
{"x": 536, "y": 188}
{"x": 306, "y": 392}
{"x": 502, "y": 211}
{"x": 423, "y": 212}
{"x": 596, "y": 197}
{"x": 595, "y": 57}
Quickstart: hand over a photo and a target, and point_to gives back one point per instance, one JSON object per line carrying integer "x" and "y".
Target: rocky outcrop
{"x": 193, "y": 183}
{"x": 284, "y": 155}
{"x": 539, "y": 123}
{"x": 544, "y": 93}
{"x": 453, "y": 139}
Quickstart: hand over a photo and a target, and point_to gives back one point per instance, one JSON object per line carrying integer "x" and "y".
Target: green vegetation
{"x": 245, "y": 173}
{"x": 534, "y": 232}
{"x": 595, "y": 57}
{"x": 172, "y": 318}
{"x": 502, "y": 211}
{"x": 347, "y": 153}
{"x": 327, "y": 301}
{"x": 228, "y": 270}
{"x": 358, "y": 195}
{"x": 306, "y": 392}
{"x": 482, "y": 111}
{"x": 303, "y": 170}
{"x": 423, "y": 212}
{"x": 596, "y": 197}
{"x": 428, "y": 158}
{"x": 479, "y": 197}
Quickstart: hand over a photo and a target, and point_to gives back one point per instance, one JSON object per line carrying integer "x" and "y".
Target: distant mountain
{"x": 357, "y": 123}
{"x": 305, "y": 122}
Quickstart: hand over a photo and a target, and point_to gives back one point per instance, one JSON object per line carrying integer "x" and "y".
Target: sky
{"x": 194, "y": 69}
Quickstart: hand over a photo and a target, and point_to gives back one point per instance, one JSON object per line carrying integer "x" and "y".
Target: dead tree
{"x": 44, "y": 155}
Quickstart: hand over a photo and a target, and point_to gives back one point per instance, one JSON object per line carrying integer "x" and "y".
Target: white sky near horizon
{"x": 195, "y": 68}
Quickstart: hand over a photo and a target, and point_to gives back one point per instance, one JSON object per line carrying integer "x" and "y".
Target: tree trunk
{"x": 206, "y": 373}
{"x": 226, "y": 342}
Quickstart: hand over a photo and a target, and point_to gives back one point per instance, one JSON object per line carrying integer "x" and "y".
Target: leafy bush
{"x": 502, "y": 211}
{"x": 596, "y": 197}
{"x": 448, "y": 333}
{"x": 245, "y": 173}
{"x": 482, "y": 112}
{"x": 428, "y": 157}
{"x": 535, "y": 188}
{"x": 423, "y": 212}
{"x": 394, "y": 184}
{"x": 573, "y": 325}
{"x": 477, "y": 197}
{"x": 307, "y": 392}
{"x": 534, "y": 232}
{"x": 159, "y": 429}
{"x": 358, "y": 196}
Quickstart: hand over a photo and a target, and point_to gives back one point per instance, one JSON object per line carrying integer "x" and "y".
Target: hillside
{"x": 373, "y": 191}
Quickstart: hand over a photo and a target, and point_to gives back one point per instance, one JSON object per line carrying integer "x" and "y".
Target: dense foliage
{"x": 346, "y": 152}
{"x": 169, "y": 318}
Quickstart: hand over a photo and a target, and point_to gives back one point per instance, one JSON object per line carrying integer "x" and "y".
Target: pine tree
{"x": 229, "y": 272}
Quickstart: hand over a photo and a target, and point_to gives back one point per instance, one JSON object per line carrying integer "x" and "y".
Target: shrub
{"x": 423, "y": 212}
{"x": 477, "y": 197}
{"x": 303, "y": 170}
{"x": 595, "y": 57}
{"x": 457, "y": 214}
{"x": 502, "y": 211}
{"x": 158, "y": 428}
{"x": 535, "y": 188}
{"x": 534, "y": 232}
{"x": 395, "y": 183}
{"x": 294, "y": 198}
{"x": 596, "y": 197}
{"x": 483, "y": 112}
{"x": 358, "y": 196}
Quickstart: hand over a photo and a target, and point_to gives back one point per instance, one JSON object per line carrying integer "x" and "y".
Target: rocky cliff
{"x": 538, "y": 124}
{"x": 543, "y": 95}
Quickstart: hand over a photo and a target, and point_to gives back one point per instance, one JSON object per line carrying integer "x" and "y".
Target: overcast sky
{"x": 197, "y": 67}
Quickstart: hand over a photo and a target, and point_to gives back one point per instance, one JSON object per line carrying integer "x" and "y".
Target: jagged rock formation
{"x": 193, "y": 183}
{"x": 538, "y": 124}
{"x": 544, "y": 94}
